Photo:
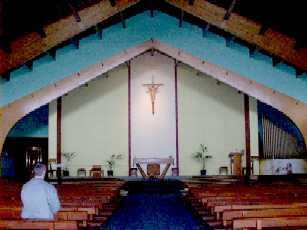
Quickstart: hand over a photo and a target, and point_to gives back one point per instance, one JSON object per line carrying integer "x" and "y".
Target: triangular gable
{"x": 12, "y": 113}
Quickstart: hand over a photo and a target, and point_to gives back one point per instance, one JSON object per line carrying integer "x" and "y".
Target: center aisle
{"x": 154, "y": 205}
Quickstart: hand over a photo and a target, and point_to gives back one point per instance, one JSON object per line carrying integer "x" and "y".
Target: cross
{"x": 152, "y": 90}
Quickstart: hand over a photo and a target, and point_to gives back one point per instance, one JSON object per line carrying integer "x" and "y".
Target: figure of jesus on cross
{"x": 152, "y": 90}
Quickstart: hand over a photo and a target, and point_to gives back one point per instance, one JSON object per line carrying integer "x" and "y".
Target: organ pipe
{"x": 277, "y": 142}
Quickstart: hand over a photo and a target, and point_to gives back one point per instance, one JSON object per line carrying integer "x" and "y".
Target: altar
{"x": 153, "y": 166}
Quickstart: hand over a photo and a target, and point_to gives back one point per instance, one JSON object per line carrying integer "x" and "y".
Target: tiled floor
{"x": 154, "y": 209}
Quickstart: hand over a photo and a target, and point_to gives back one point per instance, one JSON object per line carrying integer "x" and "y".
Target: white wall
{"x": 153, "y": 135}
{"x": 95, "y": 118}
{"x": 210, "y": 113}
{"x": 95, "y": 123}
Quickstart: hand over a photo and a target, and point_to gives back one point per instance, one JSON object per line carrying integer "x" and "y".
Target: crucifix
{"x": 152, "y": 90}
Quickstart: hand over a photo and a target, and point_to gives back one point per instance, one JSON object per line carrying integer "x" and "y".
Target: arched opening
{"x": 25, "y": 144}
{"x": 282, "y": 146}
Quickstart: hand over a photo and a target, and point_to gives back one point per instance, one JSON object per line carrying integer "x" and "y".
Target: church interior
{"x": 155, "y": 114}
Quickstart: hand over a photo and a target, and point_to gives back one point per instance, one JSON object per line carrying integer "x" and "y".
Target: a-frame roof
{"x": 39, "y": 85}
{"x": 38, "y": 29}
{"x": 11, "y": 113}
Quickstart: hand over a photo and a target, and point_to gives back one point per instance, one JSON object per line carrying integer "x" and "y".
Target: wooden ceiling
{"x": 31, "y": 28}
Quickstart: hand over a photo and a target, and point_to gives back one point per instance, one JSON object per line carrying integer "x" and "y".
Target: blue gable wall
{"x": 35, "y": 124}
{"x": 139, "y": 29}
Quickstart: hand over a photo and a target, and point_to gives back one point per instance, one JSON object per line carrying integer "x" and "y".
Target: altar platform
{"x": 114, "y": 178}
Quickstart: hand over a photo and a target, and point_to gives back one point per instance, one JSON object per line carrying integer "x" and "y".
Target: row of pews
{"x": 237, "y": 205}
{"x": 84, "y": 205}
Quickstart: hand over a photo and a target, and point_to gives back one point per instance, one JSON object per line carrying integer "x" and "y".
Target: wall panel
{"x": 210, "y": 113}
{"x": 94, "y": 122}
{"x": 153, "y": 135}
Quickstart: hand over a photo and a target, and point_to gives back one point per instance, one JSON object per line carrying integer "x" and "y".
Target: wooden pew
{"x": 221, "y": 205}
{"x": 219, "y": 209}
{"x": 81, "y": 217}
{"x": 27, "y": 224}
{"x": 86, "y": 202}
{"x": 229, "y": 215}
{"x": 90, "y": 210}
{"x": 273, "y": 222}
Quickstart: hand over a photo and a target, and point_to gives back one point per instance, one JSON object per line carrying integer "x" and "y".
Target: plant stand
{"x": 203, "y": 172}
{"x": 110, "y": 172}
{"x": 65, "y": 173}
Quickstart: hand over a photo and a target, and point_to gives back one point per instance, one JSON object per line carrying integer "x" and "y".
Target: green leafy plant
{"x": 68, "y": 157}
{"x": 202, "y": 155}
{"x": 112, "y": 159}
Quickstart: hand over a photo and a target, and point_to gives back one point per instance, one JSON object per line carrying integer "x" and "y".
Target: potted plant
{"x": 68, "y": 157}
{"x": 111, "y": 163}
{"x": 202, "y": 156}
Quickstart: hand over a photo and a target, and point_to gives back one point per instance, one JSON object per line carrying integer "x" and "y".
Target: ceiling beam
{"x": 151, "y": 8}
{"x": 52, "y": 53}
{"x": 113, "y": 3}
{"x": 230, "y": 9}
{"x": 122, "y": 18}
{"x": 252, "y": 50}
{"x": 75, "y": 41}
{"x": 73, "y": 10}
{"x": 1, "y": 18}
{"x": 5, "y": 45}
{"x": 99, "y": 30}
{"x": 36, "y": 22}
{"x": 298, "y": 72}
{"x": 300, "y": 43}
{"x": 4, "y": 41}
{"x": 246, "y": 30}
{"x": 263, "y": 29}
{"x": 181, "y": 18}
{"x": 91, "y": 18}
{"x": 205, "y": 30}
{"x": 40, "y": 30}
{"x": 7, "y": 76}
{"x": 29, "y": 65}
{"x": 191, "y": 2}
{"x": 294, "y": 58}
{"x": 276, "y": 61}
{"x": 229, "y": 39}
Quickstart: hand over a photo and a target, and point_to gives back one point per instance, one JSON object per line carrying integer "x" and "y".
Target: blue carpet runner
{"x": 154, "y": 205}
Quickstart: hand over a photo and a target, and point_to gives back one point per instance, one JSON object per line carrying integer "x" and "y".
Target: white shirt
{"x": 40, "y": 200}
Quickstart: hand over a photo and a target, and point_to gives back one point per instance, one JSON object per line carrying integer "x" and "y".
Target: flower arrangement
{"x": 68, "y": 157}
{"x": 202, "y": 155}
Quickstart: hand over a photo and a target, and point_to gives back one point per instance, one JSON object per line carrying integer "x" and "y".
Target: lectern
{"x": 235, "y": 163}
